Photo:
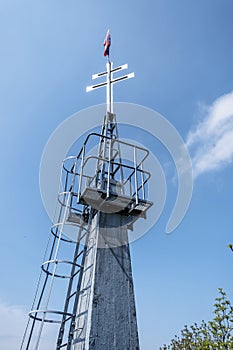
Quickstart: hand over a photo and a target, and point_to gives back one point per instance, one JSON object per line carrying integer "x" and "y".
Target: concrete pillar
{"x": 106, "y": 313}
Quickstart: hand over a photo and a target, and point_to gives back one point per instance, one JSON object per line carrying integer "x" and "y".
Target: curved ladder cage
{"x": 60, "y": 276}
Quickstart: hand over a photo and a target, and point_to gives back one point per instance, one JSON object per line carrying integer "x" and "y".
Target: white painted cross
{"x": 109, "y": 82}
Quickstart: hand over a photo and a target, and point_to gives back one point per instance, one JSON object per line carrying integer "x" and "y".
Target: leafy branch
{"x": 213, "y": 335}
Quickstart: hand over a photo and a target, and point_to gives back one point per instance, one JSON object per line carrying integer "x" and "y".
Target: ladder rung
{"x": 71, "y": 295}
{"x": 78, "y": 255}
{"x": 117, "y": 168}
{"x": 116, "y": 151}
{"x": 112, "y": 128}
{"x": 67, "y": 319}
{"x": 76, "y": 273}
{"x": 62, "y": 345}
{"x": 81, "y": 313}
{"x": 82, "y": 236}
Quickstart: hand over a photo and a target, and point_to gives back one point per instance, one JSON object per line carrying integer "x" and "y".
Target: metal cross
{"x": 109, "y": 82}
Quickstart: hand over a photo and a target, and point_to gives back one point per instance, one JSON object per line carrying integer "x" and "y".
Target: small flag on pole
{"x": 107, "y": 43}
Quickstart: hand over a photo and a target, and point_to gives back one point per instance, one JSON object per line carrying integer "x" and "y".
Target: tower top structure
{"x": 102, "y": 194}
{"x": 109, "y": 76}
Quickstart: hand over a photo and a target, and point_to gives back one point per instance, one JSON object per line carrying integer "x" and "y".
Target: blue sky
{"x": 181, "y": 53}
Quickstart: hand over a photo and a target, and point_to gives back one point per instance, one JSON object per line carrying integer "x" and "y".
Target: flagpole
{"x": 109, "y": 101}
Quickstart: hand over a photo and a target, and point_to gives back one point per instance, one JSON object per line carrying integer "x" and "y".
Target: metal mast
{"x": 109, "y": 127}
{"x": 85, "y": 298}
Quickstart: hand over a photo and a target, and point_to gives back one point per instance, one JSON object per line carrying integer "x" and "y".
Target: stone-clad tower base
{"x": 106, "y": 313}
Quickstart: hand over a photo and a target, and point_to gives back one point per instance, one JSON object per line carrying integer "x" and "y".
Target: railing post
{"x": 142, "y": 177}
{"x": 81, "y": 174}
{"x": 135, "y": 174}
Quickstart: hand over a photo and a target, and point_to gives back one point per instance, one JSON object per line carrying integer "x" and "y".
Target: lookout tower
{"x": 85, "y": 296}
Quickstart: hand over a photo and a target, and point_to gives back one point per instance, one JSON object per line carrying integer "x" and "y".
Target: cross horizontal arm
{"x": 89, "y": 88}
{"x": 128, "y": 76}
{"x": 95, "y": 76}
{"x": 124, "y": 66}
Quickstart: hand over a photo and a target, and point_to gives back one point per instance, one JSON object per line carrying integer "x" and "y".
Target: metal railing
{"x": 83, "y": 170}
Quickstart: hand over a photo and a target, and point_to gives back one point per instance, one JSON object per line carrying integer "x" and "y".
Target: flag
{"x": 107, "y": 43}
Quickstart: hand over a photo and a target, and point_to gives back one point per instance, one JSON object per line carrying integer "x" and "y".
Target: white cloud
{"x": 211, "y": 141}
{"x": 13, "y": 321}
